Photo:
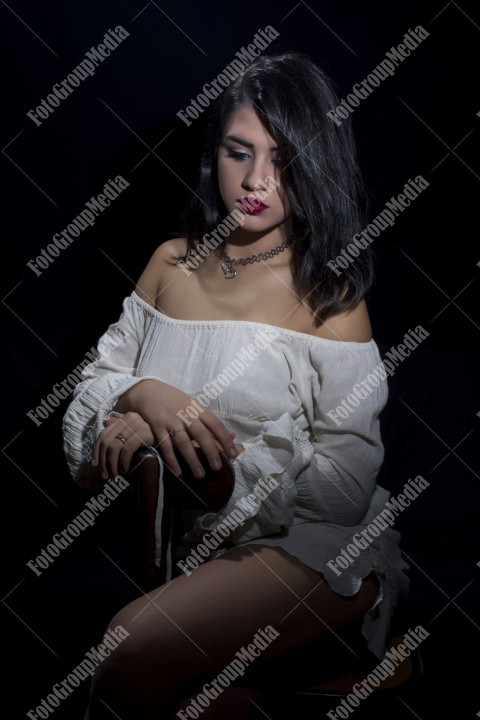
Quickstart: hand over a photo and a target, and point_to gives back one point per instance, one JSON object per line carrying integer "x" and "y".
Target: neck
{"x": 241, "y": 244}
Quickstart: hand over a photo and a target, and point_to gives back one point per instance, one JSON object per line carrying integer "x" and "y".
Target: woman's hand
{"x": 155, "y": 413}
{"x": 111, "y": 454}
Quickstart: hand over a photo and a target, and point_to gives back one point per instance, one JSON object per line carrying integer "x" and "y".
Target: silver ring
{"x": 121, "y": 437}
{"x": 172, "y": 433}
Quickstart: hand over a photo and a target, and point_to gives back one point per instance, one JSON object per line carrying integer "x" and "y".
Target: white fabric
{"x": 278, "y": 403}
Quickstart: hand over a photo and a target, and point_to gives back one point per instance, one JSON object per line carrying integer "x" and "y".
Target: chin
{"x": 258, "y": 223}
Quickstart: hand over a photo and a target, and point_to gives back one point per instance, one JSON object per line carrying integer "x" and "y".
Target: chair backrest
{"x": 144, "y": 475}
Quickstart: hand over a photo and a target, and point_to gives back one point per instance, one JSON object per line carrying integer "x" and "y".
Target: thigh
{"x": 200, "y": 621}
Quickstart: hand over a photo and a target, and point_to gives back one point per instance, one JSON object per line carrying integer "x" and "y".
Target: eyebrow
{"x": 246, "y": 144}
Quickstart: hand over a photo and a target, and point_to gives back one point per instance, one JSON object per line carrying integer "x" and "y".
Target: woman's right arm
{"x": 148, "y": 406}
{"x": 151, "y": 411}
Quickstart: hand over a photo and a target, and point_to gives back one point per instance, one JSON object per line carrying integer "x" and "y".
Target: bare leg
{"x": 186, "y": 632}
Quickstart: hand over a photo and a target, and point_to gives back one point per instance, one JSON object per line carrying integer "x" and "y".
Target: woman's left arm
{"x": 349, "y": 392}
{"x": 329, "y": 470}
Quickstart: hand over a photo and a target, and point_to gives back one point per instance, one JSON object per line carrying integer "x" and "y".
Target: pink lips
{"x": 252, "y": 205}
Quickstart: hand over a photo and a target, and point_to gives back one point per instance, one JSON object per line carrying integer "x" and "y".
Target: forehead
{"x": 245, "y": 124}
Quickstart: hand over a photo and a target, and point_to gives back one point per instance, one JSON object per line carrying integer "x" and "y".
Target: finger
{"x": 96, "y": 451}
{"x": 184, "y": 446}
{"x": 112, "y": 454}
{"x": 113, "y": 440}
{"x": 110, "y": 421}
{"x": 100, "y": 454}
{"x": 136, "y": 433}
{"x": 141, "y": 437}
{"x": 221, "y": 433}
{"x": 139, "y": 428}
{"x": 124, "y": 458}
{"x": 208, "y": 444}
{"x": 165, "y": 447}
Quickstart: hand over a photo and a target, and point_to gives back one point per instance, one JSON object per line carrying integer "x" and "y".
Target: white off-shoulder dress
{"x": 279, "y": 390}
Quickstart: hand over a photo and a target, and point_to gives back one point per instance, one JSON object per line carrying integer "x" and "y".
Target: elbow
{"x": 350, "y": 512}
{"x": 344, "y": 494}
{"x": 333, "y": 496}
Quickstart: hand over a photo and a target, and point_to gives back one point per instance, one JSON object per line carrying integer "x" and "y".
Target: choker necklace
{"x": 228, "y": 263}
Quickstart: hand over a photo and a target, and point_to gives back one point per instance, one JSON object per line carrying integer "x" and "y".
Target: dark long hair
{"x": 320, "y": 176}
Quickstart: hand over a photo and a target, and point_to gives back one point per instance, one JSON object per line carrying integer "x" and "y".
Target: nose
{"x": 255, "y": 174}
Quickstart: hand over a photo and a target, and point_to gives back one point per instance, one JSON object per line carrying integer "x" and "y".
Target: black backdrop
{"x": 423, "y": 120}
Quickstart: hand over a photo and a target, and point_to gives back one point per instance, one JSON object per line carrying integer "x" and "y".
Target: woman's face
{"x": 247, "y": 156}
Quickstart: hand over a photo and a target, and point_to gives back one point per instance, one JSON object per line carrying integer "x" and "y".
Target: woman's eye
{"x": 238, "y": 156}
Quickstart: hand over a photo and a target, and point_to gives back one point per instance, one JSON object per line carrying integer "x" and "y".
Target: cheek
{"x": 225, "y": 177}
{"x": 285, "y": 201}
{"x": 230, "y": 178}
{"x": 282, "y": 200}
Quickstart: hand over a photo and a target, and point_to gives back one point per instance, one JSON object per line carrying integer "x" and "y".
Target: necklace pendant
{"x": 228, "y": 270}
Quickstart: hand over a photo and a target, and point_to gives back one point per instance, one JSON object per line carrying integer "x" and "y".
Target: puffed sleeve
{"x": 348, "y": 392}
{"x": 111, "y": 374}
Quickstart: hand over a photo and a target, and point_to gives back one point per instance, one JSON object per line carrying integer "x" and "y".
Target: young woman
{"x": 242, "y": 340}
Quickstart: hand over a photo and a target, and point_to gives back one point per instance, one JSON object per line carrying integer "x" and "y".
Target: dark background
{"x": 423, "y": 120}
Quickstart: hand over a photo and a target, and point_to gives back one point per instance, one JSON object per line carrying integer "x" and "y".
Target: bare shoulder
{"x": 158, "y": 269}
{"x": 351, "y": 326}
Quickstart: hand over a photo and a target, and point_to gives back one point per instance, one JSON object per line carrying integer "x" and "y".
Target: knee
{"x": 112, "y": 682}
{"x": 129, "y": 674}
